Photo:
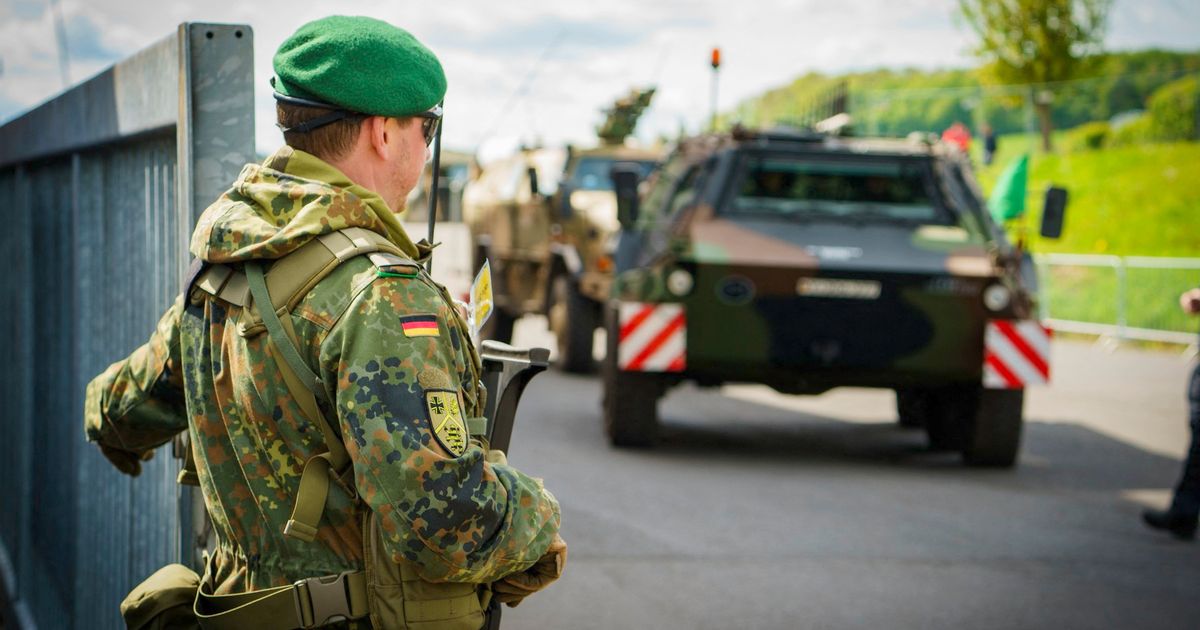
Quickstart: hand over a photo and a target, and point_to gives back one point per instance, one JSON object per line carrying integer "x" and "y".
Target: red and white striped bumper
{"x": 653, "y": 337}
{"x": 1016, "y": 354}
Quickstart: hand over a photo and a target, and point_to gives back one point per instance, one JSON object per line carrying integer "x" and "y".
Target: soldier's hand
{"x": 1190, "y": 301}
{"x": 496, "y": 456}
{"x": 512, "y": 589}
{"x": 127, "y": 462}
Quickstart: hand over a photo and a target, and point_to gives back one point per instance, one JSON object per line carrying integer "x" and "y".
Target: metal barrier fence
{"x": 1126, "y": 297}
{"x": 101, "y": 187}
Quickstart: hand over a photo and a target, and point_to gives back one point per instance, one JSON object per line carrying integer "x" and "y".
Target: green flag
{"x": 1008, "y": 197}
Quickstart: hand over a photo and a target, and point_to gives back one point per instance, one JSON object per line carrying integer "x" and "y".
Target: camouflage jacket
{"x": 457, "y": 518}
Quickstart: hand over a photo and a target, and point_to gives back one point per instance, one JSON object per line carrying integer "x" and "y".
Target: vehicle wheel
{"x": 630, "y": 400}
{"x": 912, "y": 407}
{"x": 996, "y": 437}
{"x": 499, "y": 326}
{"x": 952, "y": 412}
{"x": 573, "y": 321}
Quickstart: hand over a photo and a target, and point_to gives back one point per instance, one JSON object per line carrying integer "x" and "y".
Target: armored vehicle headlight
{"x": 680, "y": 282}
{"x": 997, "y": 297}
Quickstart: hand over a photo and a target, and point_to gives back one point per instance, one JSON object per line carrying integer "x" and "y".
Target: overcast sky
{"x": 529, "y": 70}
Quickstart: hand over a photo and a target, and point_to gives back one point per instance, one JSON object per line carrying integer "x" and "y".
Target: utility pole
{"x": 716, "y": 65}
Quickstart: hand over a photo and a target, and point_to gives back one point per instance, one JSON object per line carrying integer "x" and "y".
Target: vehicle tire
{"x": 630, "y": 400}
{"x": 995, "y": 440}
{"x": 951, "y": 416}
{"x": 573, "y": 322}
{"x": 912, "y": 407}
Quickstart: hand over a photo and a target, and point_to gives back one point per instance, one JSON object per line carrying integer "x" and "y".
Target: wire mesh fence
{"x": 1123, "y": 297}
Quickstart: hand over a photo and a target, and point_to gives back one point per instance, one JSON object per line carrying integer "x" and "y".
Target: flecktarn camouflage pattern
{"x": 807, "y": 262}
{"x": 394, "y": 358}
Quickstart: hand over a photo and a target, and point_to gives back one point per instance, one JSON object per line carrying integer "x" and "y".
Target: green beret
{"x": 360, "y": 64}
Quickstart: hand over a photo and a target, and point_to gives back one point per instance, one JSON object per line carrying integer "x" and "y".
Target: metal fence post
{"x": 1143, "y": 306}
{"x": 103, "y": 184}
{"x": 1122, "y": 295}
{"x": 214, "y": 139}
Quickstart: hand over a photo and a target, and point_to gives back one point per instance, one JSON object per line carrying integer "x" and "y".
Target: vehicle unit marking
{"x": 653, "y": 337}
{"x": 1016, "y": 354}
{"x": 833, "y": 253}
{"x": 844, "y": 289}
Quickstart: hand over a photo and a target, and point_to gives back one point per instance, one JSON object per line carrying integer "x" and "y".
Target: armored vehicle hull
{"x": 808, "y": 263}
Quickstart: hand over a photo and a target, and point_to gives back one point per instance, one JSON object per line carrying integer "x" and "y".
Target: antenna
{"x": 716, "y": 67}
{"x": 433, "y": 183}
{"x": 60, "y": 34}
{"x": 523, "y": 87}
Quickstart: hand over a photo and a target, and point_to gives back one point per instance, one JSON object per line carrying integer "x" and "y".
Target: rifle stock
{"x": 506, "y": 372}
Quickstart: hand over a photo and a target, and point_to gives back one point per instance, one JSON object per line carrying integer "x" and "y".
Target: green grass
{"x": 1088, "y": 294}
{"x": 1127, "y": 201}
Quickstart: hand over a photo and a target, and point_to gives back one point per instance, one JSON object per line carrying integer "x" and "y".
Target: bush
{"x": 1138, "y": 131}
{"x": 1172, "y": 109}
{"x": 1087, "y": 137}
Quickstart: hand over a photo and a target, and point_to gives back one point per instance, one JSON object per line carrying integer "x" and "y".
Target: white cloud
{"x": 490, "y": 49}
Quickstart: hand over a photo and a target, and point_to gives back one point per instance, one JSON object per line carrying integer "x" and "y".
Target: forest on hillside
{"x": 897, "y": 102}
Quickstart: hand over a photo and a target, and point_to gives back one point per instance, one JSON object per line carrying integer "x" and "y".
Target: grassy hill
{"x": 1130, "y": 201}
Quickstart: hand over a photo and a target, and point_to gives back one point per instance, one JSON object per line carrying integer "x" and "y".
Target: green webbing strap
{"x": 308, "y": 603}
{"x": 310, "y": 499}
{"x": 258, "y": 289}
{"x": 303, "y": 384}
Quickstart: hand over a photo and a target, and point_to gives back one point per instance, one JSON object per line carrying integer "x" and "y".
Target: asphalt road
{"x": 765, "y": 511}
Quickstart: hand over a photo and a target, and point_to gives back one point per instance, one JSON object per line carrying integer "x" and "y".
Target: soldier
{"x": 362, "y": 371}
{"x": 1181, "y": 518}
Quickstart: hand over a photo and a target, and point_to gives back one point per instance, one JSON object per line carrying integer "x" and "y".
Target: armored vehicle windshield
{"x": 859, "y": 189}
{"x": 592, "y": 172}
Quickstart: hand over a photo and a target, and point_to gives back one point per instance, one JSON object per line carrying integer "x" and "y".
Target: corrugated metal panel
{"x": 101, "y": 187}
{"x": 16, "y": 383}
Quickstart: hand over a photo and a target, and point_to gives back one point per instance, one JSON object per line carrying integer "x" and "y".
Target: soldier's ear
{"x": 381, "y": 138}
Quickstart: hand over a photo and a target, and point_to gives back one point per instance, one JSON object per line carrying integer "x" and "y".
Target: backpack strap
{"x": 267, "y": 298}
{"x": 291, "y": 278}
{"x": 283, "y": 286}
{"x": 304, "y": 385}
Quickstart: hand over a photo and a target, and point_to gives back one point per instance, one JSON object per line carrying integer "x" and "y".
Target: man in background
{"x": 1180, "y": 519}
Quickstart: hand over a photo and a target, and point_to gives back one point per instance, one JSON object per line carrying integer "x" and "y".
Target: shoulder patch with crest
{"x": 446, "y": 420}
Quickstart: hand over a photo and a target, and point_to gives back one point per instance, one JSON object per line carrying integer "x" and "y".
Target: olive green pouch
{"x": 398, "y": 597}
{"x": 163, "y": 601}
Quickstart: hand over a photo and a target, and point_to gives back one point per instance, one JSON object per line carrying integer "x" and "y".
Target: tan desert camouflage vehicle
{"x": 545, "y": 219}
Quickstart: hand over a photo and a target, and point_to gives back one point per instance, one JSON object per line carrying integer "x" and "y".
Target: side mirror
{"x": 1054, "y": 212}
{"x": 534, "y": 191}
{"x": 625, "y": 177}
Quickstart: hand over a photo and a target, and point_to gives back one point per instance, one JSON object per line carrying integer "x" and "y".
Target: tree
{"x": 1036, "y": 42}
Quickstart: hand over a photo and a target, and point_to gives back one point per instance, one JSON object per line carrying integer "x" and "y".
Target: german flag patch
{"x": 419, "y": 326}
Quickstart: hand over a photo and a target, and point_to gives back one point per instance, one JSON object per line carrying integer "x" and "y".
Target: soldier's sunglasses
{"x": 430, "y": 121}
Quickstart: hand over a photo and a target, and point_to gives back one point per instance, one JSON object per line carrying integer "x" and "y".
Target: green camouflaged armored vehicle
{"x": 806, "y": 262}
{"x": 544, "y": 219}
